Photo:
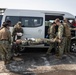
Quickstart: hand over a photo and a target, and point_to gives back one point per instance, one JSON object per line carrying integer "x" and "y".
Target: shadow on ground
{"x": 40, "y": 64}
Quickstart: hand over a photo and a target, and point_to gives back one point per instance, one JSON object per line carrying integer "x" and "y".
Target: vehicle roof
{"x": 46, "y": 12}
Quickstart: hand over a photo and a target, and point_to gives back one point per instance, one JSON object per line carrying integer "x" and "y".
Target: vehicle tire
{"x": 73, "y": 46}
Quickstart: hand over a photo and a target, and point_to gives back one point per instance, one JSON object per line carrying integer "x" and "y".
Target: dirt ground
{"x": 40, "y": 64}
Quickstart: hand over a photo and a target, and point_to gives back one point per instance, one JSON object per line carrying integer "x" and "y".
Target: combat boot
{"x": 58, "y": 56}
{"x": 5, "y": 62}
{"x": 48, "y": 54}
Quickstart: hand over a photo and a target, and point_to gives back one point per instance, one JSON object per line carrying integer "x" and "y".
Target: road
{"x": 36, "y": 63}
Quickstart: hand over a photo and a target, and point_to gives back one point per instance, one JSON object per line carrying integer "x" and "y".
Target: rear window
{"x": 26, "y": 21}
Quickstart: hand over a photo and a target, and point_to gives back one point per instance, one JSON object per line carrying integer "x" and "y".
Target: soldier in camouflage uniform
{"x": 51, "y": 32}
{"x": 60, "y": 36}
{"x": 34, "y": 41}
{"x": 30, "y": 42}
{"x": 67, "y": 34}
{"x": 17, "y": 30}
{"x": 5, "y": 41}
{"x": 17, "y": 34}
{"x": 17, "y": 45}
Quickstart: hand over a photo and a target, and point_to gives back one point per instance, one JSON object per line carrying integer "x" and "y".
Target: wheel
{"x": 22, "y": 48}
{"x": 73, "y": 45}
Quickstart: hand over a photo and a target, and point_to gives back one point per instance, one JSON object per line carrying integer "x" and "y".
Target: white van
{"x": 34, "y": 22}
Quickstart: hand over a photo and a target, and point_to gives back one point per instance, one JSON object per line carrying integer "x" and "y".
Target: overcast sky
{"x": 52, "y": 5}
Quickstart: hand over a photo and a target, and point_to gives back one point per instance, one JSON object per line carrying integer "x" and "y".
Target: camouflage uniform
{"x": 67, "y": 34}
{"x": 35, "y": 41}
{"x": 52, "y": 35}
{"x": 17, "y": 34}
{"x": 5, "y": 41}
{"x": 20, "y": 44}
{"x": 17, "y": 29}
{"x": 60, "y": 35}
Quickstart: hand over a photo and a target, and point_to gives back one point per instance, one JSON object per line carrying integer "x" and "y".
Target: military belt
{"x": 3, "y": 40}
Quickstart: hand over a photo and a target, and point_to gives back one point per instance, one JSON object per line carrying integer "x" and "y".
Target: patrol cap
{"x": 57, "y": 20}
{"x": 53, "y": 23}
{"x": 5, "y": 25}
{"x": 8, "y": 21}
{"x": 19, "y": 22}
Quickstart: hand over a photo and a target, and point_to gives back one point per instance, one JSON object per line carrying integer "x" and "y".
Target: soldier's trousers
{"x": 61, "y": 47}
{"x": 5, "y": 51}
{"x": 15, "y": 48}
{"x": 67, "y": 44}
{"x": 52, "y": 45}
{"x": 14, "y": 38}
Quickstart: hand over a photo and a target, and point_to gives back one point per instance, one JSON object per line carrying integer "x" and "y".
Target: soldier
{"x": 51, "y": 32}
{"x": 32, "y": 41}
{"x": 67, "y": 34}
{"x": 5, "y": 41}
{"x": 60, "y": 36}
{"x": 17, "y": 34}
{"x": 17, "y": 31}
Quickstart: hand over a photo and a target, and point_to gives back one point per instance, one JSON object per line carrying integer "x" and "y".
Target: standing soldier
{"x": 5, "y": 41}
{"x": 51, "y": 32}
{"x": 60, "y": 36}
{"x": 67, "y": 31}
